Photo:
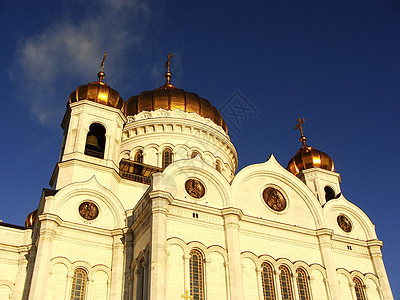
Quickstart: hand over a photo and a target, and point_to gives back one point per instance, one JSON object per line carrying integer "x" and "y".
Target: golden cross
{"x": 167, "y": 64}
{"x": 298, "y": 126}
{"x": 102, "y": 63}
{"x": 186, "y": 295}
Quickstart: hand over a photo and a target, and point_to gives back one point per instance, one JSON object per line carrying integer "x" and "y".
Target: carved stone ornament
{"x": 344, "y": 223}
{"x": 195, "y": 188}
{"x": 88, "y": 210}
{"x": 274, "y": 199}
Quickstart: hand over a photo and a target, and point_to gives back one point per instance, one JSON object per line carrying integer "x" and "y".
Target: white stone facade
{"x": 139, "y": 245}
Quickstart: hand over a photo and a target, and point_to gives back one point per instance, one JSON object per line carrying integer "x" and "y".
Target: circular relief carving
{"x": 274, "y": 199}
{"x": 344, "y": 223}
{"x": 195, "y": 188}
{"x": 88, "y": 210}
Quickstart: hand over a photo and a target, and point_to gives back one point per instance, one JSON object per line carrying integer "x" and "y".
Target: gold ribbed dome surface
{"x": 309, "y": 157}
{"x": 98, "y": 92}
{"x": 31, "y": 218}
{"x": 170, "y": 98}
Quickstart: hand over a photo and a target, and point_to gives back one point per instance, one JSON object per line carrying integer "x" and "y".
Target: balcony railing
{"x": 136, "y": 171}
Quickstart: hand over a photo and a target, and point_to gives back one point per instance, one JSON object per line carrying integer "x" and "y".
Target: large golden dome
{"x": 98, "y": 92}
{"x": 169, "y": 98}
{"x": 309, "y": 157}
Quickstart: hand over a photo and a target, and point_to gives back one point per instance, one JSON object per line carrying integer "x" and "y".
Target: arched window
{"x": 329, "y": 193}
{"x": 138, "y": 156}
{"x": 166, "y": 157}
{"x": 286, "y": 287}
{"x": 194, "y": 154}
{"x": 267, "y": 282}
{"x": 95, "y": 140}
{"x": 359, "y": 289}
{"x": 79, "y": 285}
{"x": 196, "y": 275}
{"x": 302, "y": 285}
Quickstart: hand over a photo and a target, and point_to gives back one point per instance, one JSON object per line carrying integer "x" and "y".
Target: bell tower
{"x": 315, "y": 168}
{"x": 92, "y": 127}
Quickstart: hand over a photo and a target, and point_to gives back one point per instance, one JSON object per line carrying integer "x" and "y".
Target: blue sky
{"x": 334, "y": 63}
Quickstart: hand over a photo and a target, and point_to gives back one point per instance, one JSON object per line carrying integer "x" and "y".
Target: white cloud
{"x": 71, "y": 48}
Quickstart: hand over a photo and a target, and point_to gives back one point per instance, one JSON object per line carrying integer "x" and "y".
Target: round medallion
{"x": 274, "y": 199}
{"x": 195, "y": 188}
{"x": 344, "y": 223}
{"x": 88, "y": 210}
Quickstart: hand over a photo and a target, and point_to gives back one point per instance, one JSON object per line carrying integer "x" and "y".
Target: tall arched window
{"x": 96, "y": 140}
{"x": 359, "y": 289}
{"x": 79, "y": 285}
{"x": 267, "y": 282}
{"x": 138, "y": 156}
{"x": 302, "y": 285}
{"x": 196, "y": 275}
{"x": 166, "y": 157}
{"x": 286, "y": 286}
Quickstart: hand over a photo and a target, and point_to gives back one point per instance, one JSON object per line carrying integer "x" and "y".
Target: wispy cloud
{"x": 71, "y": 48}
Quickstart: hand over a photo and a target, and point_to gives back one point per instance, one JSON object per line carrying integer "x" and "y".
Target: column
{"x": 277, "y": 284}
{"x": 117, "y": 264}
{"x": 294, "y": 285}
{"x": 128, "y": 261}
{"x": 68, "y": 288}
{"x": 325, "y": 244}
{"x": 158, "y": 252}
{"x": 207, "y": 278}
{"x": 259, "y": 283}
{"x": 21, "y": 272}
{"x": 186, "y": 266}
{"x": 374, "y": 247}
{"x": 48, "y": 226}
{"x": 232, "y": 217}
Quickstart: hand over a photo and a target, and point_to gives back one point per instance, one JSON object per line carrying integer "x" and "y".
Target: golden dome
{"x": 31, "y": 218}
{"x": 309, "y": 157}
{"x": 169, "y": 98}
{"x": 98, "y": 92}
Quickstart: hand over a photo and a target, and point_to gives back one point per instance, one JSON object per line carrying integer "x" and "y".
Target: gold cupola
{"x": 98, "y": 92}
{"x": 308, "y": 157}
{"x": 169, "y": 97}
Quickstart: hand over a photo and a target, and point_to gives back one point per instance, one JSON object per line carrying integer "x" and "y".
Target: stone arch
{"x": 342, "y": 205}
{"x": 81, "y": 264}
{"x": 61, "y": 260}
{"x": 90, "y": 188}
{"x": 8, "y": 284}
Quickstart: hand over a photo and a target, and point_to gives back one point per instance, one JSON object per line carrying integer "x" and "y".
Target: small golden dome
{"x": 170, "y": 98}
{"x": 31, "y": 218}
{"x": 98, "y": 92}
{"x": 309, "y": 157}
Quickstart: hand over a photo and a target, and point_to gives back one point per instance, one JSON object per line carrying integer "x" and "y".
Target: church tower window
{"x": 79, "y": 285}
{"x": 302, "y": 284}
{"x": 95, "y": 140}
{"x": 138, "y": 156}
{"x": 166, "y": 157}
{"x": 329, "y": 193}
{"x": 267, "y": 282}
{"x": 359, "y": 289}
{"x": 286, "y": 287}
{"x": 196, "y": 275}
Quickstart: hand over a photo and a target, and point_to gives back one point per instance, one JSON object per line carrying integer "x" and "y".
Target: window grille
{"x": 267, "y": 282}
{"x": 79, "y": 285}
{"x": 359, "y": 289}
{"x": 302, "y": 285}
{"x": 196, "y": 275}
{"x": 166, "y": 158}
{"x": 286, "y": 287}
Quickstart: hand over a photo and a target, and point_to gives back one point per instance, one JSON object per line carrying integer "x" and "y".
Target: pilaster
{"x": 232, "y": 217}
{"x": 47, "y": 233}
{"x": 325, "y": 244}
{"x": 117, "y": 265}
{"x": 374, "y": 247}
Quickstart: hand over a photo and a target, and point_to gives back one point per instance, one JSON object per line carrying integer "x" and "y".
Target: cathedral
{"x": 146, "y": 204}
